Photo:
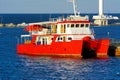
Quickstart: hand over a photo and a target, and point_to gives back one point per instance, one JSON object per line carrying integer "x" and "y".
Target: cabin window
{"x": 38, "y": 41}
{"x": 69, "y": 38}
{"x": 39, "y": 38}
{"x": 87, "y": 25}
{"x": 68, "y": 25}
{"x": 72, "y": 25}
{"x": 77, "y": 25}
{"x": 54, "y": 28}
{"x": 82, "y": 25}
{"x": 61, "y": 38}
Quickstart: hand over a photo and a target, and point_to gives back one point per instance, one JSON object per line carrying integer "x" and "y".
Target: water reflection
{"x": 64, "y": 68}
{"x": 49, "y": 68}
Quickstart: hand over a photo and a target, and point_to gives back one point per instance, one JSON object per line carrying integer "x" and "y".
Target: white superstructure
{"x": 73, "y": 27}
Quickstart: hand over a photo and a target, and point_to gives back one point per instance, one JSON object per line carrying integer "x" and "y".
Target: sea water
{"x": 29, "y": 18}
{"x": 21, "y": 67}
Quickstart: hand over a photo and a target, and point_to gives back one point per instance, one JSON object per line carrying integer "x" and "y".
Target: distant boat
{"x": 69, "y": 36}
{"x": 22, "y": 24}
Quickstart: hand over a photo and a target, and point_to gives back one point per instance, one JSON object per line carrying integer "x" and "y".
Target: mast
{"x": 74, "y": 7}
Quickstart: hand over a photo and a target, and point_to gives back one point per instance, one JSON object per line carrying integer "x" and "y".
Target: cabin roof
{"x": 77, "y": 21}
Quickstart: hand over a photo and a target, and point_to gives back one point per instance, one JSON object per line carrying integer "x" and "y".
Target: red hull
{"x": 73, "y": 48}
{"x": 55, "y": 49}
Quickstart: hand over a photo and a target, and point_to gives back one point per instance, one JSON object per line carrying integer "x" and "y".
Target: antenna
{"x": 74, "y": 7}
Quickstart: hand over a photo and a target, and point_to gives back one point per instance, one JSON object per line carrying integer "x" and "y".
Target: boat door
{"x": 63, "y": 28}
{"x": 44, "y": 41}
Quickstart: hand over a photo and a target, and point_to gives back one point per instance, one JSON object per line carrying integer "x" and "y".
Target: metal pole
{"x": 74, "y": 7}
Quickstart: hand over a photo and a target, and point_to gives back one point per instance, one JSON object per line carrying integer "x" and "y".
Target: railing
{"x": 57, "y": 19}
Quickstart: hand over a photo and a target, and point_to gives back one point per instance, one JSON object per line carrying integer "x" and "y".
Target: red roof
{"x": 33, "y": 28}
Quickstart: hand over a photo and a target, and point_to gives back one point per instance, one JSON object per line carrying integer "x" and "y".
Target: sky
{"x": 57, "y": 6}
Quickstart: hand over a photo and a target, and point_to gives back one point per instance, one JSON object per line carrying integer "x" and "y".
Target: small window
{"x": 68, "y": 25}
{"x": 64, "y": 25}
{"x": 69, "y": 38}
{"x": 58, "y": 38}
{"x": 72, "y": 25}
{"x": 77, "y": 25}
{"x": 82, "y": 25}
{"x": 87, "y": 25}
{"x": 39, "y": 38}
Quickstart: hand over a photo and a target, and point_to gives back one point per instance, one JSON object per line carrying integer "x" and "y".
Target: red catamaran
{"x": 69, "y": 36}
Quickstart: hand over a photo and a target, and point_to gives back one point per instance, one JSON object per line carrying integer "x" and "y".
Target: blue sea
{"x": 28, "y": 18}
{"x": 21, "y": 67}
